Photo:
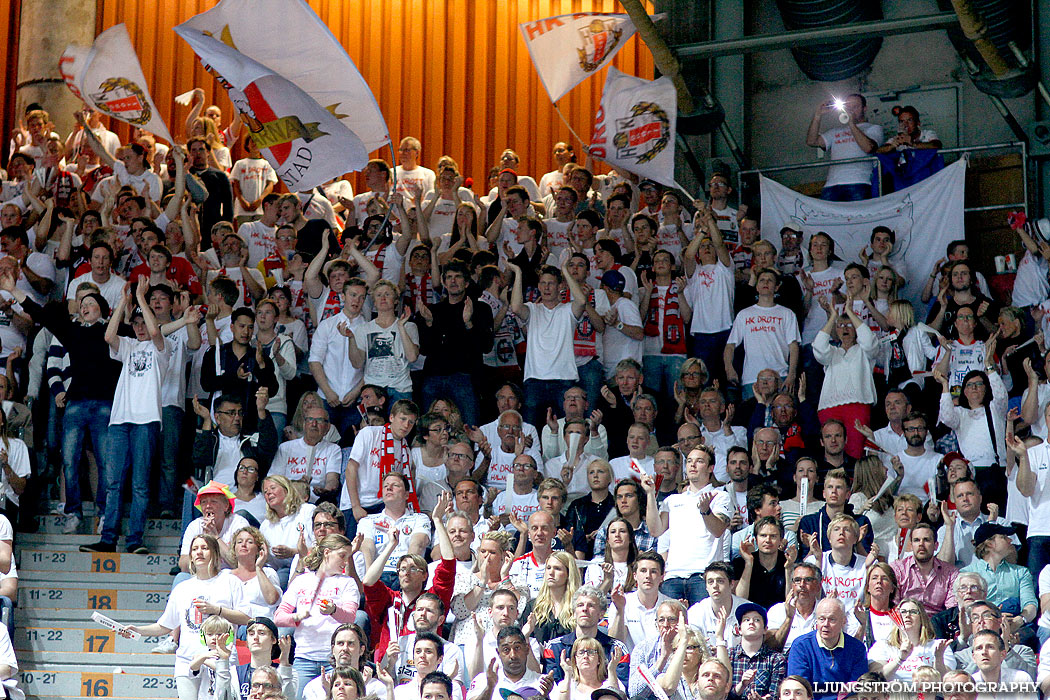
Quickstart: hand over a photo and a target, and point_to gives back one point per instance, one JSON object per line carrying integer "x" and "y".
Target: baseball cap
{"x": 951, "y": 457}
{"x": 988, "y": 531}
{"x": 745, "y": 608}
{"x": 607, "y": 692}
{"x": 268, "y": 624}
{"x": 526, "y": 691}
{"x": 614, "y": 280}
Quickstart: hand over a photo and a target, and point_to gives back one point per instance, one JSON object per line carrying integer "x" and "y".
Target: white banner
{"x": 635, "y": 126}
{"x": 108, "y": 77}
{"x": 568, "y": 49}
{"x": 287, "y": 37}
{"x": 303, "y": 141}
{"x": 925, "y": 218}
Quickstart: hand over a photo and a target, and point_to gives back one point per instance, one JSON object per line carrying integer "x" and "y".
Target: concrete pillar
{"x": 46, "y": 27}
{"x": 728, "y": 77}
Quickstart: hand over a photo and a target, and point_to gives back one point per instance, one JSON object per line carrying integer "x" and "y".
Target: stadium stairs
{"x": 61, "y": 652}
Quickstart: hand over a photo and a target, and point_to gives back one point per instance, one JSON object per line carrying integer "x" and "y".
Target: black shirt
{"x": 767, "y": 587}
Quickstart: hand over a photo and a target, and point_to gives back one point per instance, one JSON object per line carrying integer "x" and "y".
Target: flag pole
{"x": 390, "y": 207}
{"x": 569, "y": 126}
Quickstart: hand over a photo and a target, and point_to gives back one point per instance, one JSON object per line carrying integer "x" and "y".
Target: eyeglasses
{"x": 234, "y": 412}
{"x": 247, "y": 469}
{"x": 805, "y": 579}
{"x": 325, "y": 523}
{"x": 915, "y": 429}
{"x": 263, "y": 686}
{"x": 988, "y": 615}
{"x": 667, "y": 620}
{"x": 510, "y": 428}
{"x": 459, "y": 455}
{"x": 974, "y": 385}
{"x": 909, "y": 611}
{"x": 436, "y": 429}
{"x": 970, "y": 587}
{"x": 404, "y": 570}
{"x": 587, "y": 652}
{"x": 315, "y": 420}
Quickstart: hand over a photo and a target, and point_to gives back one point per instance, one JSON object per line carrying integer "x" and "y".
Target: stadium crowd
{"x": 581, "y": 435}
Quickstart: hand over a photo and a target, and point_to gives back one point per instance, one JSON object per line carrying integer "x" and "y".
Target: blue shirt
{"x": 1007, "y": 582}
{"x": 810, "y": 660}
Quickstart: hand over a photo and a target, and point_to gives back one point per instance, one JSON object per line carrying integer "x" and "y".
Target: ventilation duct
{"x": 834, "y": 60}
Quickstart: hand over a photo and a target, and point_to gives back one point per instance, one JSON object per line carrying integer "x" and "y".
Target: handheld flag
{"x": 635, "y": 126}
{"x": 108, "y": 77}
{"x": 304, "y": 142}
{"x": 290, "y": 39}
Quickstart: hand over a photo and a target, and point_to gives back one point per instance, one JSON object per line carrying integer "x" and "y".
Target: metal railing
{"x": 963, "y": 152}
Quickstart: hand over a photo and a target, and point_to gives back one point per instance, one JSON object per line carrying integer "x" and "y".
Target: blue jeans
{"x": 280, "y": 420}
{"x": 541, "y": 393}
{"x": 710, "y": 347}
{"x": 306, "y": 670}
{"x": 81, "y": 417}
{"x": 846, "y": 193}
{"x": 458, "y": 388}
{"x": 661, "y": 372}
{"x": 1038, "y": 556}
{"x": 592, "y": 376}
{"x": 692, "y": 589}
{"x": 131, "y": 446}
{"x": 170, "y": 432}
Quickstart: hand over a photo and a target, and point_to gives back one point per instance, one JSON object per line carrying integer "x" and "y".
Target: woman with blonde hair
{"x": 586, "y": 670}
{"x": 690, "y": 651}
{"x": 550, "y": 614}
{"x": 385, "y": 346}
{"x": 868, "y": 477}
{"x": 488, "y": 575}
{"x": 906, "y": 351}
{"x": 219, "y": 156}
{"x": 261, "y": 584}
{"x": 873, "y": 612}
{"x": 910, "y": 645}
{"x": 288, "y": 519}
{"x": 318, "y": 600}
{"x": 692, "y": 378}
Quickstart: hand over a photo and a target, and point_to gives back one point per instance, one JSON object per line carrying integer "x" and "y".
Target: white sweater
{"x": 971, "y": 425}
{"x": 848, "y": 374}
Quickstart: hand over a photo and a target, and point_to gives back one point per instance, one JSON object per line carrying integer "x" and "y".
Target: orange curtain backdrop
{"x": 454, "y": 73}
{"x": 9, "y": 40}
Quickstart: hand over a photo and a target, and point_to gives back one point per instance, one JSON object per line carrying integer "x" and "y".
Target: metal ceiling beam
{"x": 799, "y": 37}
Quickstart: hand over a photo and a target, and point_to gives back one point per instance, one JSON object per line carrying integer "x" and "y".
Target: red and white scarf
{"x": 584, "y": 336}
{"x": 674, "y": 328}
{"x": 393, "y": 458}
{"x": 419, "y": 289}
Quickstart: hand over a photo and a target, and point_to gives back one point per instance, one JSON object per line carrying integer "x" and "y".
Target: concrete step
{"x": 157, "y": 544}
{"x": 53, "y": 524}
{"x": 87, "y": 637}
{"x": 43, "y": 578}
{"x": 106, "y": 596}
{"x": 140, "y": 659}
{"x": 47, "y": 560}
{"x": 97, "y": 680}
{"x": 73, "y": 617}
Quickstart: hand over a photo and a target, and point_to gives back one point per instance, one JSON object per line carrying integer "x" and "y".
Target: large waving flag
{"x": 108, "y": 76}
{"x": 635, "y": 126}
{"x": 302, "y": 140}
{"x": 287, "y": 37}
{"x": 568, "y": 49}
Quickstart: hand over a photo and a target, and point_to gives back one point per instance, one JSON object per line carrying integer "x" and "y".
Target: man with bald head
{"x": 527, "y": 571}
{"x": 828, "y": 654}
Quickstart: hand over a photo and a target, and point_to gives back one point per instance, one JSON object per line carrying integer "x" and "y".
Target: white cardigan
{"x": 848, "y": 374}
{"x": 971, "y": 425}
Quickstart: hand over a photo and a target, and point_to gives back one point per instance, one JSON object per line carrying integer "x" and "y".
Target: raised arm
{"x": 104, "y": 156}
{"x": 147, "y": 315}
{"x": 517, "y": 303}
{"x": 115, "y": 318}
{"x": 312, "y": 277}
{"x": 175, "y": 203}
{"x": 579, "y": 299}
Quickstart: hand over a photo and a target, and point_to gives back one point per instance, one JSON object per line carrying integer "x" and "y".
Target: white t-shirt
{"x": 111, "y": 289}
{"x": 921, "y": 655}
{"x": 137, "y": 397}
{"x": 224, "y": 589}
{"x": 917, "y": 472}
{"x": 377, "y": 529}
{"x": 286, "y": 531}
{"x": 691, "y": 546}
{"x": 728, "y": 222}
{"x": 710, "y": 293}
{"x": 18, "y": 459}
{"x": 121, "y": 177}
{"x": 234, "y": 273}
{"x": 549, "y": 354}
{"x": 823, "y": 284}
{"x": 385, "y": 361}
{"x": 262, "y": 240}
{"x": 252, "y": 175}
{"x": 667, "y": 238}
{"x": 40, "y": 264}
{"x": 522, "y": 505}
{"x": 622, "y": 468}
{"x": 410, "y": 182}
{"x": 501, "y": 466}
{"x": 844, "y": 581}
{"x": 617, "y": 344}
{"x": 173, "y": 386}
{"x": 442, "y": 217}
{"x": 702, "y": 615}
{"x": 841, "y": 145}
{"x": 1031, "y": 285}
{"x": 366, "y": 451}
{"x": 766, "y": 333}
{"x": 1039, "y": 502}
{"x": 290, "y": 461}
{"x": 230, "y": 525}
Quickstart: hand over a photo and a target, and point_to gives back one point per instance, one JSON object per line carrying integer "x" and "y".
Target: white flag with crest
{"x": 303, "y": 141}
{"x": 290, "y": 39}
{"x": 108, "y": 77}
{"x": 568, "y": 49}
{"x": 635, "y": 126}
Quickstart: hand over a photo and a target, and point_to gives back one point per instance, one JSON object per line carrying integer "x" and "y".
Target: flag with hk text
{"x": 635, "y": 126}
{"x": 108, "y": 76}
